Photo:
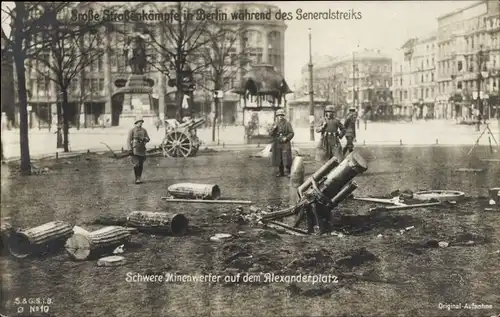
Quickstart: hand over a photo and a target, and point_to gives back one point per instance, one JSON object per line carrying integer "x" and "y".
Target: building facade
{"x": 362, "y": 80}
{"x": 91, "y": 94}
{"x": 468, "y": 59}
{"x": 402, "y": 79}
{"x": 423, "y": 84}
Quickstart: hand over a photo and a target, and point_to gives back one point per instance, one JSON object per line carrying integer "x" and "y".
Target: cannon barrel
{"x": 192, "y": 124}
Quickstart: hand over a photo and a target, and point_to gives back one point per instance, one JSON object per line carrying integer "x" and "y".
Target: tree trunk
{"x": 216, "y": 115}
{"x": 59, "y": 125}
{"x": 19, "y": 59}
{"x": 65, "y": 114}
{"x": 180, "y": 96}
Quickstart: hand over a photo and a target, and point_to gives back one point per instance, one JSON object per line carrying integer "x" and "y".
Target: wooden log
{"x": 296, "y": 179}
{"x": 201, "y": 201}
{"x": 175, "y": 224}
{"x": 194, "y": 191}
{"x": 319, "y": 174}
{"x": 394, "y": 208}
{"x": 85, "y": 245}
{"x": 32, "y": 241}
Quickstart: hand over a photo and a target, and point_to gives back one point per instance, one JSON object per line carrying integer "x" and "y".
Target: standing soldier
{"x": 281, "y": 150}
{"x": 350, "y": 126}
{"x": 137, "y": 139}
{"x": 332, "y": 131}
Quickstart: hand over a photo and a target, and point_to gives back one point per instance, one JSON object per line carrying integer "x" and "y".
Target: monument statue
{"x": 135, "y": 53}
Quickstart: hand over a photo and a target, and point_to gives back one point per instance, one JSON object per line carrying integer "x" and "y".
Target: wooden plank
{"x": 288, "y": 228}
{"x": 406, "y": 207}
{"x": 200, "y": 201}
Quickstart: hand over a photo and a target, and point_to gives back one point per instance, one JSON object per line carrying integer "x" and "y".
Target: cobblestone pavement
{"x": 43, "y": 142}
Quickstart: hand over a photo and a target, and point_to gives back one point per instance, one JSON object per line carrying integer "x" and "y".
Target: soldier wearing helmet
{"x": 281, "y": 150}
{"x": 332, "y": 131}
{"x": 350, "y": 125}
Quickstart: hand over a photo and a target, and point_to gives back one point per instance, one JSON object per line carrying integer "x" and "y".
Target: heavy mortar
{"x": 329, "y": 186}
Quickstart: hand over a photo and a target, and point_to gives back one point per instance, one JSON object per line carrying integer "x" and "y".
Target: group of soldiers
{"x": 331, "y": 129}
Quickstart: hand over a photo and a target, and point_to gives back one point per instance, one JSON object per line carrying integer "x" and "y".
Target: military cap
{"x": 329, "y": 109}
{"x": 280, "y": 112}
{"x": 138, "y": 119}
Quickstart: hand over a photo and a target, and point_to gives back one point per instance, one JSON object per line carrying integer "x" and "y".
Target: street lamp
{"x": 311, "y": 90}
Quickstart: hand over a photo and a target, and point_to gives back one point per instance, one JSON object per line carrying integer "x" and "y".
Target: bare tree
{"x": 73, "y": 46}
{"x": 223, "y": 56}
{"x": 24, "y": 20}
{"x": 178, "y": 42}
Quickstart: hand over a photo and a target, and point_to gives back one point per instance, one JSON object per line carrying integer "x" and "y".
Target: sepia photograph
{"x": 247, "y": 159}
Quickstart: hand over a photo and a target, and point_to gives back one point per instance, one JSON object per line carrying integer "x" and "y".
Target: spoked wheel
{"x": 177, "y": 144}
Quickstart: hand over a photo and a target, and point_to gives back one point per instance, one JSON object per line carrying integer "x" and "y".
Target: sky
{"x": 384, "y": 25}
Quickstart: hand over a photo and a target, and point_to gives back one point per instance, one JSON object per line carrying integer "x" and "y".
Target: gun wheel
{"x": 177, "y": 144}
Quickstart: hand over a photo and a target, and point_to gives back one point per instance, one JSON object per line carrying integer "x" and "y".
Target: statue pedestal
{"x": 137, "y": 102}
{"x": 128, "y": 118}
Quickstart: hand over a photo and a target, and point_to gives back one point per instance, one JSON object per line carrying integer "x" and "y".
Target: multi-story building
{"x": 467, "y": 56}
{"x": 402, "y": 79}
{"x": 362, "y": 80}
{"x": 423, "y": 84}
{"x": 91, "y": 94}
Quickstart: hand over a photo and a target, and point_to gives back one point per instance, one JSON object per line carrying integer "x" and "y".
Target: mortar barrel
{"x": 296, "y": 178}
{"x": 495, "y": 195}
{"x": 164, "y": 222}
{"x": 194, "y": 191}
{"x": 353, "y": 165}
{"x": 30, "y": 241}
{"x": 344, "y": 193}
{"x": 82, "y": 246}
{"x": 320, "y": 173}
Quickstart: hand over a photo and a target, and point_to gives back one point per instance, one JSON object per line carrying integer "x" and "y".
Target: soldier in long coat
{"x": 281, "y": 149}
{"x": 332, "y": 130}
{"x": 350, "y": 133}
{"x": 136, "y": 142}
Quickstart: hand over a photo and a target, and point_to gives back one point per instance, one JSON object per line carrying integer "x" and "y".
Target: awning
{"x": 263, "y": 80}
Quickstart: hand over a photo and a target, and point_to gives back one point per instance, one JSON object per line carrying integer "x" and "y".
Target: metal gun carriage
{"x": 180, "y": 138}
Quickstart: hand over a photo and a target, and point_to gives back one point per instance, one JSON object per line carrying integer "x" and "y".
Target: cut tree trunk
{"x": 175, "y": 224}
{"x": 50, "y": 236}
{"x": 83, "y": 246}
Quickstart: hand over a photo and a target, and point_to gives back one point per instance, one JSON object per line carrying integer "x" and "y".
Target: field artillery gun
{"x": 180, "y": 138}
{"x": 321, "y": 193}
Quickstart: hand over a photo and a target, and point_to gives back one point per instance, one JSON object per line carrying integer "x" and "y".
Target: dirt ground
{"x": 381, "y": 271}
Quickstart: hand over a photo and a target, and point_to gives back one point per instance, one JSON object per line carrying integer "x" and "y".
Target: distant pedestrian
{"x": 350, "y": 130}
{"x": 136, "y": 142}
{"x": 332, "y": 130}
{"x": 281, "y": 150}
